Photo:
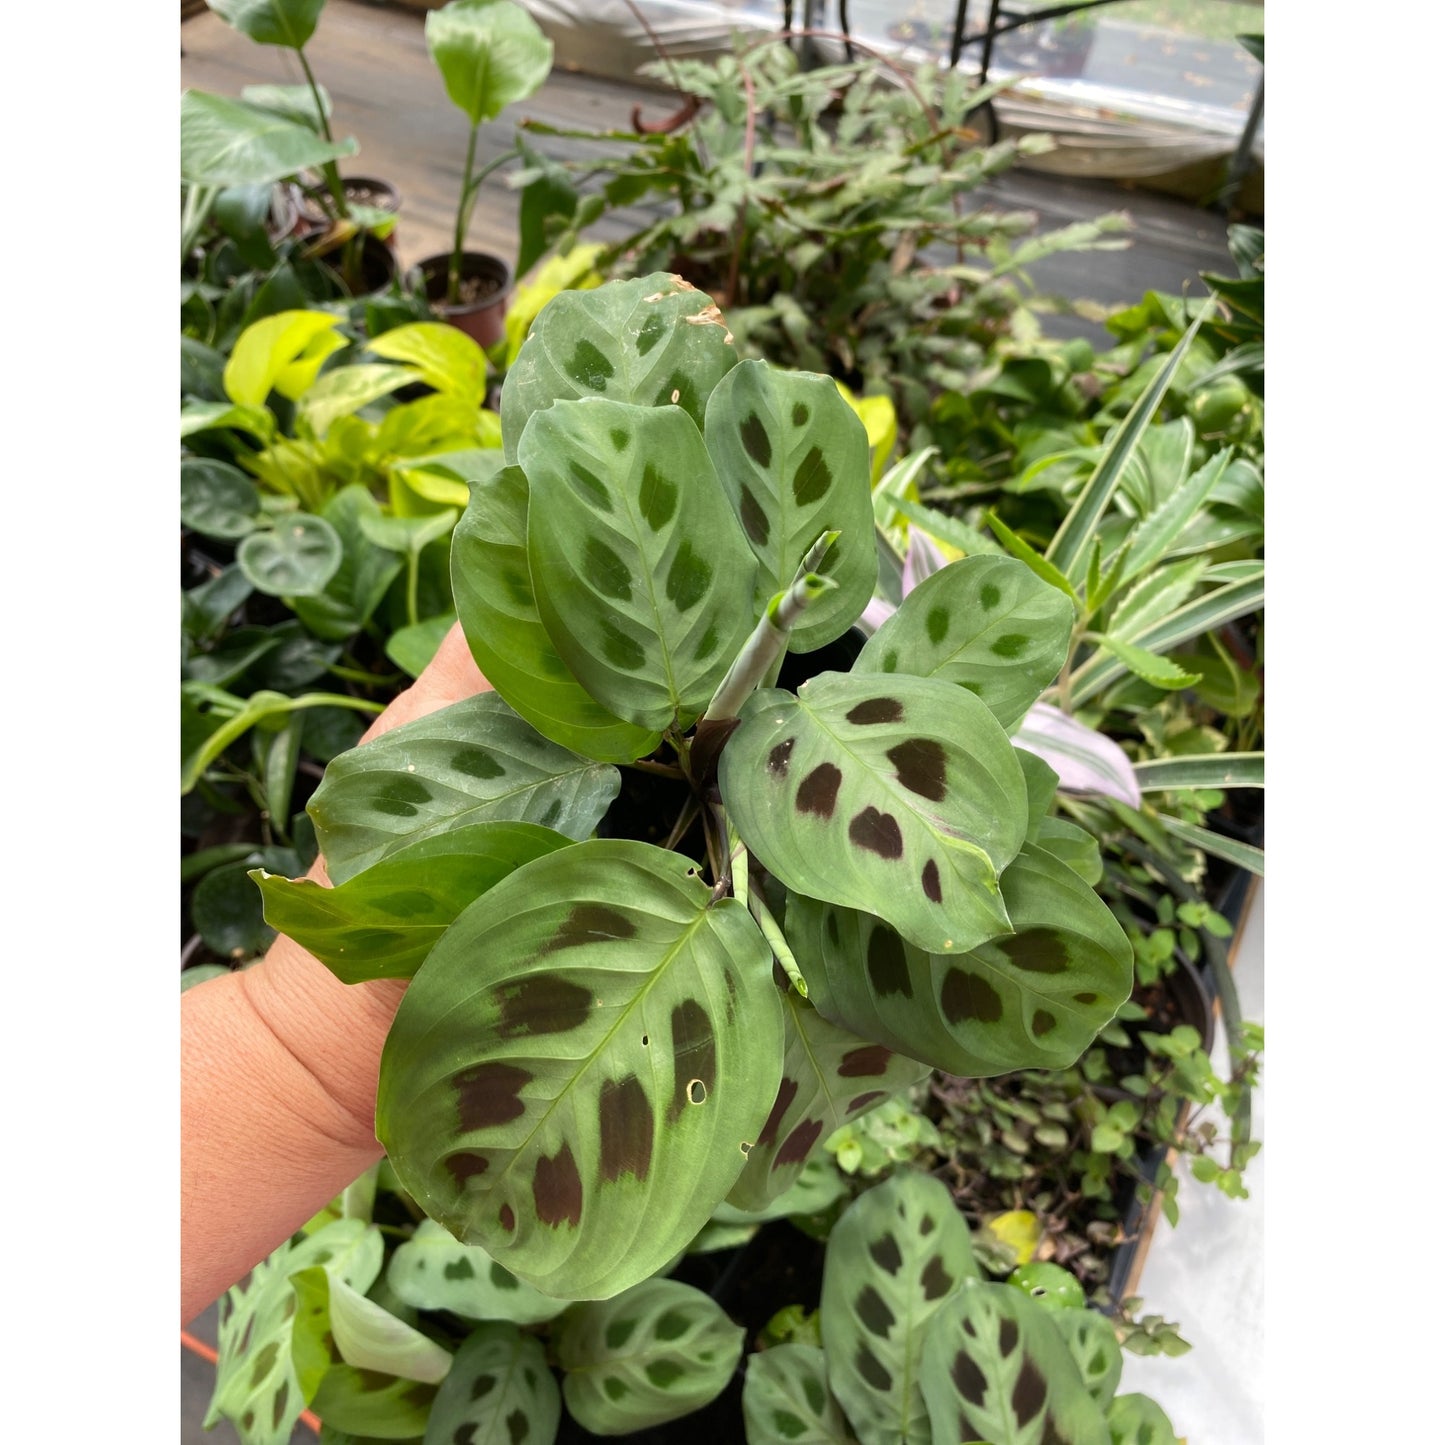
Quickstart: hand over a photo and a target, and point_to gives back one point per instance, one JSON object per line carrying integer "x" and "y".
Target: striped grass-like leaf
{"x": 654, "y": 341}
{"x": 435, "y": 1271}
{"x": 900, "y": 795}
{"x": 792, "y": 457}
{"x": 655, "y": 1353}
{"x": 1069, "y": 548}
{"x": 256, "y": 1383}
{"x": 382, "y": 922}
{"x": 638, "y": 564}
{"x": 830, "y": 1076}
{"x": 995, "y": 1368}
{"x": 473, "y": 762}
{"x": 1032, "y": 999}
{"x": 492, "y": 584}
{"x": 1204, "y": 770}
{"x": 786, "y": 1400}
{"x": 985, "y": 623}
{"x": 574, "y": 1072}
{"x": 500, "y": 1391}
{"x": 1242, "y": 855}
{"x": 899, "y": 1252}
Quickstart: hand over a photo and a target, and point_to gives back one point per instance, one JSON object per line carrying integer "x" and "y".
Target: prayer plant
{"x": 699, "y": 881}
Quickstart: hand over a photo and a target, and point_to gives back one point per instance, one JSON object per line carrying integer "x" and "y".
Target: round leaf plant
{"x": 719, "y": 911}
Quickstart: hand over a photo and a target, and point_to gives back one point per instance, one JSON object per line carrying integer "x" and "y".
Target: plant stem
{"x": 459, "y": 236}
{"x": 199, "y": 200}
{"x": 328, "y": 169}
{"x": 777, "y": 942}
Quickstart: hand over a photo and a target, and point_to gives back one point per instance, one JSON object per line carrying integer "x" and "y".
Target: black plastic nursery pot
{"x": 486, "y": 289}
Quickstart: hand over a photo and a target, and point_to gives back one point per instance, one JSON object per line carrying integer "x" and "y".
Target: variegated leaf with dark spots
{"x": 786, "y": 1399}
{"x": 500, "y": 1391}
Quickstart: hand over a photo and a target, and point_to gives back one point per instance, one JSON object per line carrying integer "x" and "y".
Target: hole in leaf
{"x": 746, "y": 1147}
{"x": 644, "y": 1041}
{"x": 696, "y": 1091}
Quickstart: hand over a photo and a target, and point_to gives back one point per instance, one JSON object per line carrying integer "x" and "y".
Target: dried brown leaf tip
{"x": 710, "y": 316}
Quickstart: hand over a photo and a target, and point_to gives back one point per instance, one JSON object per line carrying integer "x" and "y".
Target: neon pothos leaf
{"x": 653, "y": 341}
{"x": 829, "y": 1077}
{"x": 897, "y": 1254}
{"x": 434, "y": 1271}
{"x": 786, "y": 1400}
{"x": 900, "y": 795}
{"x": 493, "y": 588}
{"x": 655, "y": 1353}
{"x": 382, "y": 922}
{"x": 1033, "y": 999}
{"x": 637, "y": 561}
{"x": 792, "y": 457}
{"x": 500, "y": 1389}
{"x": 985, "y": 623}
{"x": 256, "y": 1384}
{"x": 994, "y": 1368}
{"x": 574, "y": 1071}
{"x": 473, "y": 762}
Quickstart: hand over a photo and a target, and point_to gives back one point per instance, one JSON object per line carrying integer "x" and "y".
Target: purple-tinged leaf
{"x": 1086, "y": 760}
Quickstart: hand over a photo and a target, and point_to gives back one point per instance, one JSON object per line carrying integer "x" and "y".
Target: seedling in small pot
{"x": 838, "y": 883}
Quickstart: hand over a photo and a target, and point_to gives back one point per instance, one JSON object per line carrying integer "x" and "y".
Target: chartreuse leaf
{"x": 500, "y": 1392}
{"x": 574, "y": 1072}
{"x": 256, "y": 1384}
{"x": 792, "y": 457}
{"x": 492, "y": 585}
{"x": 473, "y": 762}
{"x": 653, "y": 340}
{"x": 655, "y": 1353}
{"x": 346, "y": 389}
{"x": 786, "y": 1400}
{"x": 434, "y": 1271}
{"x": 382, "y": 922}
{"x": 829, "y": 1077}
{"x": 638, "y": 565}
{"x": 896, "y": 1255}
{"x": 1138, "y": 1420}
{"x": 1094, "y": 1348}
{"x": 1031, "y": 999}
{"x": 359, "y": 1366}
{"x": 446, "y": 359}
{"x": 900, "y": 795}
{"x": 994, "y": 1368}
{"x": 985, "y": 623}
{"x": 281, "y": 353}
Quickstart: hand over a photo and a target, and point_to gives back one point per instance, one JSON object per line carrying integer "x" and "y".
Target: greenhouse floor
{"x": 1208, "y": 1273}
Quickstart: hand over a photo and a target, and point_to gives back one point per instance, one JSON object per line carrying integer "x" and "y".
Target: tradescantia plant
{"x": 680, "y": 916}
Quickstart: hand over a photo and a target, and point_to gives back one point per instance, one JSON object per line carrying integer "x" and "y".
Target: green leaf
{"x": 1073, "y": 846}
{"x": 446, "y": 359}
{"x": 637, "y": 562}
{"x": 473, "y": 762}
{"x": 367, "y": 569}
{"x": 1034, "y": 998}
{"x": 1091, "y": 1341}
{"x": 197, "y": 417}
{"x": 897, "y": 1255}
{"x": 492, "y": 585}
{"x": 1152, "y": 536}
{"x": 635, "y": 341}
{"x": 226, "y": 913}
{"x": 1155, "y": 596}
{"x": 434, "y": 1271}
{"x": 900, "y": 795}
{"x": 1242, "y": 855}
{"x": 945, "y": 528}
{"x": 1207, "y": 770}
{"x": 412, "y": 648}
{"x": 1069, "y": 548}
{"x": 290, "y": 102}
{"x": 786, "y": 1400}
{"x": 256, "y": 1384}
{"x": 490, "y": 54}
{"x": 295, "y": 558}
{"x": 792, "y": 457}
{"x": 344, "y": 391}
{"x": 226, "y": 142}
{"x": 217, "y": 499}
{"x": 829, "y": 1077}
{"x": 1138, "y": 1420}
{"x": 985, "y": 623}
{"x": 500, "y": 1391}
{"x": 283, "y": 352}
{"x": 271, "y": 22}
{"x": 995, "y": 1368}
{"x": 1155, "y": 670}
{"x": 382, "y": 922}
{"x": 1036, "y": 564}
{"x": 580, "y": 1106}
{"x": 655, "y": 1353}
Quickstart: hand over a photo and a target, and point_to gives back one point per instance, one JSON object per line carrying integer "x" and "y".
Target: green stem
{"x": 328, "y": 169}
{"x": 413, "y": 580}
{"x": 199, "y": 200}
{"x": 777, "y": 942}
{"x": 471, "y": 185}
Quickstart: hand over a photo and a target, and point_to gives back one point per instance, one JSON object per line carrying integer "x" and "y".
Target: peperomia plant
{"x": 680, "y": 914}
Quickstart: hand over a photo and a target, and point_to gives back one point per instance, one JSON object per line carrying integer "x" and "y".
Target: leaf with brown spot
{"x": 917, "y": 772}
{"x": 1033, "y": 999}
{"x": 418, "y": 1275}
{"x": 520, "y": 1384}
{"x": 880, "y": 1294}
{"x": 821, "y": 1069}
{"x": 1023, "y": 1396}
{"x": 789, "y": 484}
{"x": 611, "y": 1154}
